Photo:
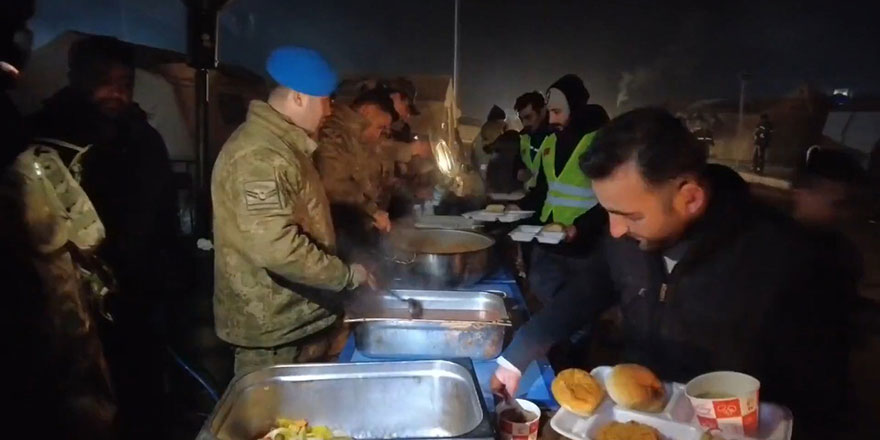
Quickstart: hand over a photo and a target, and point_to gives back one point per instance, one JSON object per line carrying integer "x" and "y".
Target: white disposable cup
{"x": 736, "y": 412}
{"x": 508, "y": 430}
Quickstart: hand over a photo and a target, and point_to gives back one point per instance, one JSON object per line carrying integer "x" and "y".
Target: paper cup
{"x": 725, "y": 401}
{"x": 518, "y": 431}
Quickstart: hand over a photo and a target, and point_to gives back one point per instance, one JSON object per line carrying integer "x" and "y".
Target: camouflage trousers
{"x": 323, "y": 346}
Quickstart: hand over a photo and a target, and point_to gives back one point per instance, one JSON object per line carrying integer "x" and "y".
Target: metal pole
{"x": 743, "y": 79}
{"x": 742, "y": 99}
{"x": 203, "y": 178}
{"x": 455, "y": 59}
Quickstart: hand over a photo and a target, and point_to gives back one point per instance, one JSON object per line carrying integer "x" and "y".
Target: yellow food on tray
{"x": 553, "y": 227}
{"x": 627, "y": 431}
{"x": 495, "y": 208}
{"x": 577, "y": 391}
{"x": 300, "y": 430}
{"x": 635, "y": 387}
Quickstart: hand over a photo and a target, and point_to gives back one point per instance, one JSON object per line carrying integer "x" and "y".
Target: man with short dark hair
{"x": 347, "y": 155}
{"x": 532, "y": 112}
{"x": 706, "y": 278}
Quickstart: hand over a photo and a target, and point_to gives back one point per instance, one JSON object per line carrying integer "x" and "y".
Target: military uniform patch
{"x": 262, "y": 194}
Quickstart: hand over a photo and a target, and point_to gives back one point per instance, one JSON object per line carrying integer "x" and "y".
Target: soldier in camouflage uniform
{"x": 65, "y": 230}
{"x": 274, "y": 265}
{"x": 349, "y": 162}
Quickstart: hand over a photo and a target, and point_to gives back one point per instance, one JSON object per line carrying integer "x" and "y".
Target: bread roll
{"x": 577, "y": 391}
{"x": 495, "y": 208}
{"x": 627, "y": 431}
{"x": 553, "y": 227}
{"x": 635, "y": 387}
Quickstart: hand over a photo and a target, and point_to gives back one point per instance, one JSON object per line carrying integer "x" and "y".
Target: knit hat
{"x": 303, "y": 70}
{"x": 574, "y": 90}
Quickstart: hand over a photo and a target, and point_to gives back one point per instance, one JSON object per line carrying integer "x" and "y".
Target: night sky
{"x": 665, "y": 50}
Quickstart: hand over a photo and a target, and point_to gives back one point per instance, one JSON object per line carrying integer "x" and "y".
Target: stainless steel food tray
{"x": 375, "y": 400}
{"x": 454, "y": 324}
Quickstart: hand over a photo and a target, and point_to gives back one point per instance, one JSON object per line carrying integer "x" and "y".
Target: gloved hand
{"x": 505, "y": 378}
{"x": 358, "y": 275}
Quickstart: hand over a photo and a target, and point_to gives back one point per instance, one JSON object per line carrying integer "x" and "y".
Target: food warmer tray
{"x": 412, "y": 400}
{"x": 454, "y": 323}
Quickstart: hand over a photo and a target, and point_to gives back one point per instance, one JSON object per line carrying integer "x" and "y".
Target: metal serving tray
{"x": 454, "y": 324}
{"x": 375, "y": 400}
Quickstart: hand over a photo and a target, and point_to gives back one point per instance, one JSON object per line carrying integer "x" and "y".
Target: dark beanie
{"x": 496, "y": 114}
{"x": 574, "y": 90}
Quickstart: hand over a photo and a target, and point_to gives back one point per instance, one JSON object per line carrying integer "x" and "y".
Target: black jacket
{"x": 747, "y": 295}
{"x": 127, "y": 175}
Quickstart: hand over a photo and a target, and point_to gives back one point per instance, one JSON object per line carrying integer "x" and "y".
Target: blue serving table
{"x": 536, "y": 380}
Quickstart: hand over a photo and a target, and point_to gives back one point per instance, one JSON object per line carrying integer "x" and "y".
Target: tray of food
{"x": 507, "y": 197}
{"x": 548, "y": 234}
{"x": 499, "y": 213}
{"x": 368, "y": 400}
{"x": 629, "y": 402}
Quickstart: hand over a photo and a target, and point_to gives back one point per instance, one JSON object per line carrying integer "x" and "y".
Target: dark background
{"x": 669, "y": 50}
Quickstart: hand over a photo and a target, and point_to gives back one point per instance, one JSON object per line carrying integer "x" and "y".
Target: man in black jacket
{"x": 706, "y": 278}
{"x": 126, "y": 174}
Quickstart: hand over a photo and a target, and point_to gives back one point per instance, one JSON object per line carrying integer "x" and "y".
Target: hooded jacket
{"x": 585, "y": 118}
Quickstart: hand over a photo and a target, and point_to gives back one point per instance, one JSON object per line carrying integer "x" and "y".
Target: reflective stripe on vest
{"x": 569, "y": 195}
{"x": 571, "y": 203}
{"x": 532, "y": 164}
{"x": 571, "y": 190}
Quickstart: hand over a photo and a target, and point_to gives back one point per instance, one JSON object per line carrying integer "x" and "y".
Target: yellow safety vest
{"x": 533, "y": 165}
{"x": 570, "y": 194}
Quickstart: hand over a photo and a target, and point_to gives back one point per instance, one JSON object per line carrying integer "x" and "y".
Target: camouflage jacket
{"x": 350, "y": 171}
{"x": 271, "y": 216}
{"x": 64, "y": 228}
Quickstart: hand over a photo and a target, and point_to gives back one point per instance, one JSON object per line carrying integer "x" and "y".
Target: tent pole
{"x": 203, "y": 177}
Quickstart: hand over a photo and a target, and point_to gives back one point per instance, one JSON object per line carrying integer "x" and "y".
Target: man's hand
{"x": 505, "y": 378}
{"x": 523, "y": 175}
{"x": 358, "y": 276}
{"x": 381, "y": 221}
{"x": 570, "y": 233}
{"x": 423, "y": 194}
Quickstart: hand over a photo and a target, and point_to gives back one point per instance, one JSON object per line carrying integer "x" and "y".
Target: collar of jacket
{"x": 295, "y": 137}
{"x": 730, "y": 209}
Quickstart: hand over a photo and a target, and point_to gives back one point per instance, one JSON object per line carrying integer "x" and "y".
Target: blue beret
{"x": 303, "y": 70}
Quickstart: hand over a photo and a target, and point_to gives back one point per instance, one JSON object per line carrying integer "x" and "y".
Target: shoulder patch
{"x": 262, "y": 194}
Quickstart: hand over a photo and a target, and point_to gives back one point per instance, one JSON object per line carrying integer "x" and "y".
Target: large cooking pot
{"x": 440, "y": 258}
